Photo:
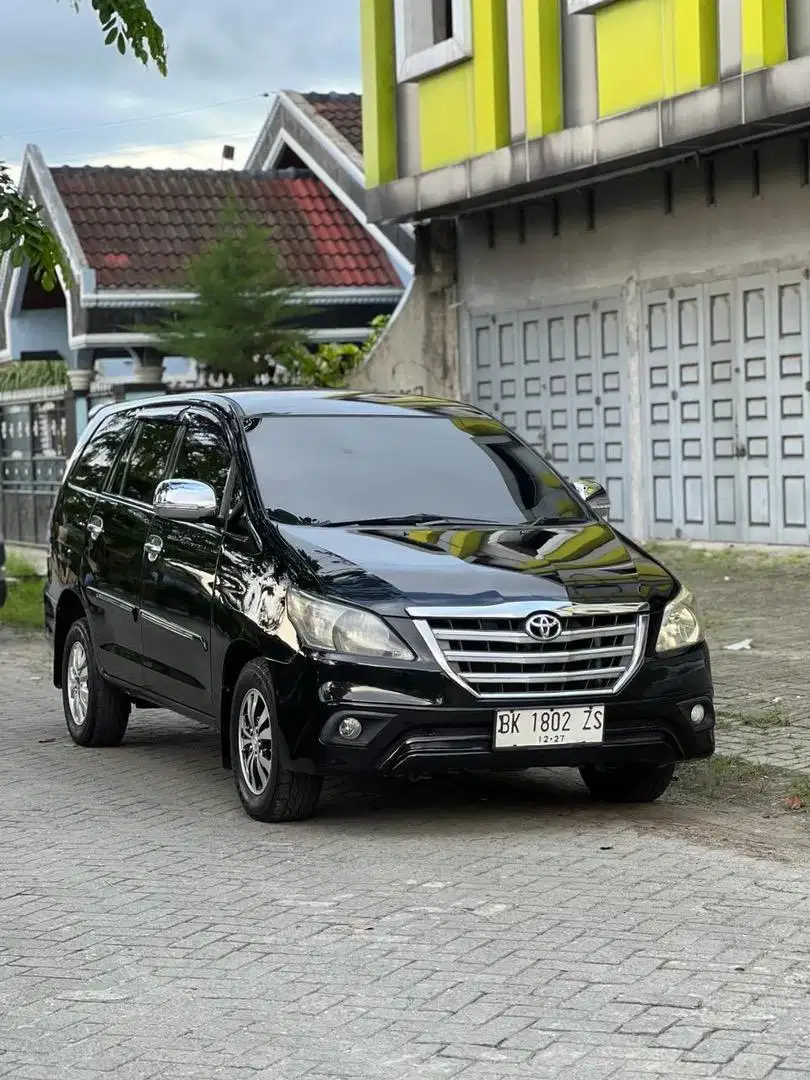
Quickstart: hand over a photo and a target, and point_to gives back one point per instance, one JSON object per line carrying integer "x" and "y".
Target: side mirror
{"x": 185, "y": 500}
{"x": 594, "y": 495}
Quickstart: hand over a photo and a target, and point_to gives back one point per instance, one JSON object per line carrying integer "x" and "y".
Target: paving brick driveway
{"x": 485, "y": 930}
{"x": 763, "y": 694}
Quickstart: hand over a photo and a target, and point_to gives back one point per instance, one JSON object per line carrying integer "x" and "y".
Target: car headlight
{"x": 331, "y": 627}
{"x": 681, "y": 625}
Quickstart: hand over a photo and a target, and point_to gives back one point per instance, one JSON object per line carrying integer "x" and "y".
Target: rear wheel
{"x": 96, "y": 713}
{"x": 627, "y": 783}
{"x": 267, "y": 790}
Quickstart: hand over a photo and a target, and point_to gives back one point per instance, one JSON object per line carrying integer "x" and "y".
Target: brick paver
{"x": 763, "y": 694}
{"x": 485, "y": 929}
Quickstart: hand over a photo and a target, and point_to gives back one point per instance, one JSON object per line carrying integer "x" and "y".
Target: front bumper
{"x": 446, "y": 730}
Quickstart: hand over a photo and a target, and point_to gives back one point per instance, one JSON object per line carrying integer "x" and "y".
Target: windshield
{"x": 372, "y": 469}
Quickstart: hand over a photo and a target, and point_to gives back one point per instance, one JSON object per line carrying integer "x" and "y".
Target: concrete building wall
{"x": 419, "y": 351}
{"x": 669, "y": 316}
{"x": 634, "y": 236}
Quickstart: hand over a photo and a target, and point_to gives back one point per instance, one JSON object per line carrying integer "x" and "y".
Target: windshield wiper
{"x": 407, "y": 519}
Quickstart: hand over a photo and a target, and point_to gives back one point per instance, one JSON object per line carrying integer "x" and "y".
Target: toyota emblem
{"x": 544, "y": 627}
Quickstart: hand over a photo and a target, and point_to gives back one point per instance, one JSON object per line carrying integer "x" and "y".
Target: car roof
{"x": 295, "y": 402}
{"x": 336, "y": 402}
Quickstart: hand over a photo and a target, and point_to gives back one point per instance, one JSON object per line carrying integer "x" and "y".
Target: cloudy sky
{"x": 83, "y": 103}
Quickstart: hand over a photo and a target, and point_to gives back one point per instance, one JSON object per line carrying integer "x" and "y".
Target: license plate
{"x": 549, "y": 727}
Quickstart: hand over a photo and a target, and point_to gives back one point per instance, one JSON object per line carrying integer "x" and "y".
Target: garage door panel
{"x": 721, "y": 405}
{"x": 660, "y": 412}
{"x": 482, "y": 374}
{"x": 558, "y": 376}
{"x": 788, "y": 375}
{"x": 690, "y": 377}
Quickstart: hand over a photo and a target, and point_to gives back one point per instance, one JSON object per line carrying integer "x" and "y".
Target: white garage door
{"x": 726, "y": 416}
{"x": 557, "y": 376}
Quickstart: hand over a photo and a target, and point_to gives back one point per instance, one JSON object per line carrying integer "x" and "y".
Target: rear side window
{"x": 204, "y": 456}
{"x": 90, "y": 471}
{"x": 148, "y": 459}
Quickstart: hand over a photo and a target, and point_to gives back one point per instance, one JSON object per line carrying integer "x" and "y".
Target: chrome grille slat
{"x": 491, "y": 654}
{"x": 547, "y": 676}
{"x": 519, "y": 636}
{"x": 536, "y": 655}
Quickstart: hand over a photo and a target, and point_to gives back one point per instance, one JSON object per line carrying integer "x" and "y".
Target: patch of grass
{"x": 23, "y": 608}
{"x": 771, "y": 717}
{"x": 732, "y": 779}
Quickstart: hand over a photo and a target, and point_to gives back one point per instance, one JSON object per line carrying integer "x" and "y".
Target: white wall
{"x": 635, "y": 238}
{"x": 39, "y": 331}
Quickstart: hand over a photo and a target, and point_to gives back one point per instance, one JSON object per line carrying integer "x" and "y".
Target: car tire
{"x": 96, "y": 712}
{"x": 267, "y": 790}
{"x": 627, "y": 783}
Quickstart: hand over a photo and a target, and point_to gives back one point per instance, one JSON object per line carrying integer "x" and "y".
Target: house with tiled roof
{"x": 128, "y": 235}
{"x": 324, "y": 133}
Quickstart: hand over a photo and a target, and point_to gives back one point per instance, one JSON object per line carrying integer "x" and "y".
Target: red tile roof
{"x": 138, "y": 227}
{"x": 344, "y": 112}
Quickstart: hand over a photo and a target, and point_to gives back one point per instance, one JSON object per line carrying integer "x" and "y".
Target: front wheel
{"x": 267, "y": 790}
{"x": 627, "y": 783}
{"x": 96, "y": 712}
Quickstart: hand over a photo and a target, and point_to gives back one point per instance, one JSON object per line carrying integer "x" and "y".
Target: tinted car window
{"x": 148, "y": 458}
{"x": 326, "y": 469}
{"x": 92, "y": 467}
{"x": 204, "y": 456}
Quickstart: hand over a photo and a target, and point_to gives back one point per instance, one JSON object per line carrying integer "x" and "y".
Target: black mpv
{"x": 347, "y": 583}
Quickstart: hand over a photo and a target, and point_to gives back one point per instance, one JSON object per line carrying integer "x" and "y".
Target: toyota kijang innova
{"x": 346, "y": 583}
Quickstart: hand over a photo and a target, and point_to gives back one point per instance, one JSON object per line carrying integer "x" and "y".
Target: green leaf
{"x": 17, "y": 257}
{"x": 110, "y": 38}
{"x": 122, "y": 44}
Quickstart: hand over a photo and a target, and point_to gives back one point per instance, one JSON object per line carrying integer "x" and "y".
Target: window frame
{"x": 416, "y": 64}
{"x": 586, "y": 7}
{"x": 93, "y": 439}
{"x": 125, "y": 454}
{"x": 205, "y": 418}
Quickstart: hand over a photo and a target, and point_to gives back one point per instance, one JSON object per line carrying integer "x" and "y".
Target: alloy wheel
{"x": 255, "y": 742}
{"x": 78, "y": 684}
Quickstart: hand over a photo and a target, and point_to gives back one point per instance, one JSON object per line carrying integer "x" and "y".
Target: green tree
{"x": 245, "y": 317}
{"x": 125, "y": 24}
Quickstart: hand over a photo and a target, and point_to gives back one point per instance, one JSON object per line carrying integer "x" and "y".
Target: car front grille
{"x": 492, "y": 654}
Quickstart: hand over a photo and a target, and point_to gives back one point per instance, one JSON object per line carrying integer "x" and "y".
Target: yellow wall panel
{"x": 379, "y": 92}
{"x": 543, "y": 66}
{"x": 764, "y": 33}
{"x": 464, "y": 110}
{"x": 653, "y": 49}
{"x": 629, "y": 55}
{"x": 491, "y": 75}
{"x": 446, "y": 117}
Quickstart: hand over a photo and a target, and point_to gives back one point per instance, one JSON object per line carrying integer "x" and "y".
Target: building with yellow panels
{"x": 611, "y": 208}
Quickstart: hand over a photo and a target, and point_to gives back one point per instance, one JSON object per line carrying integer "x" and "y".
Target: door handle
{"x": 153, "y": 547}
{"x": 95, "y": 527}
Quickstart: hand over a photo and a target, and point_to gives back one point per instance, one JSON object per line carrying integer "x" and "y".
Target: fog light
{"x": 698, "y": 714}
{"x": 350, "y": 728}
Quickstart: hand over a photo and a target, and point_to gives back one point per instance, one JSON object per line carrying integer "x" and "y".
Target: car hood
{"x": 391, "y": 568}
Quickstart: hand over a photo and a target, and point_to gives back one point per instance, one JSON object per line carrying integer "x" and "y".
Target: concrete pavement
{"x": 481, "y": 930}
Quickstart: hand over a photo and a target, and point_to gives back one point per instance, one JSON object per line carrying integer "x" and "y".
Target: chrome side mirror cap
{"x": 594, "y": 495}
{"x": 185, "y": 500}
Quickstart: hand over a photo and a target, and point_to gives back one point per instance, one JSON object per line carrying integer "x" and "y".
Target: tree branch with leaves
{"x": 126, "y": 24}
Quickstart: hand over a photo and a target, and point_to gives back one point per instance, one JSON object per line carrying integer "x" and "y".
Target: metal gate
{"x": 557, "y": 376}
{"x": 726, "y": 416}
{"x": 32, "y": 461}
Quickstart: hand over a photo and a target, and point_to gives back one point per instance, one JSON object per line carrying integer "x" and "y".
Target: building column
{"x": 81, "y": 372}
